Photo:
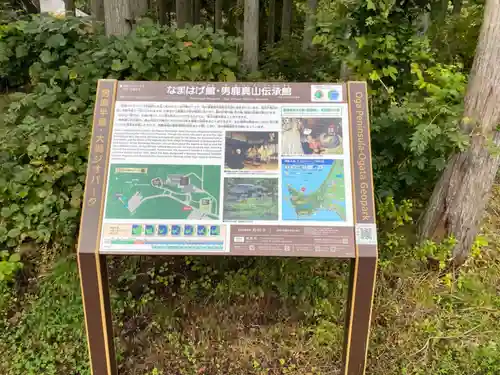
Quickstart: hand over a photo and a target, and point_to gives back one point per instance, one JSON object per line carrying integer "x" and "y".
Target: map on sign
{"x": 313, "y": 190}
{"x": 159, "y": 191}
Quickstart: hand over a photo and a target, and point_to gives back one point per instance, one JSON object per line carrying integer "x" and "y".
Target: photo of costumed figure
{"x": 311, "y": 136}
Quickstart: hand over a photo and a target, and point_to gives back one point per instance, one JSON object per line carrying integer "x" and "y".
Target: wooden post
{"x": 92, "y": 266}
{"x": 97, "y": 309}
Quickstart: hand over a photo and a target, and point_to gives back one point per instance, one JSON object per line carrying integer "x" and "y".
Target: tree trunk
{"x": 117, "y": 17}
{"x": 196, "y": 12}
{"x": 138, "y": 9}
{"x": 170, "y": 10}
{"x": 271, "y": 21}
{"x": 189, "y": 12}
{"x": 309, "y": 24}
{"x": 97, "y": 9}
{"x": 251, "y": 35}
{"x": 460, "y": 196}
{"x": 218, "y": 14}
{"x": 32, "y": 7}
{"x": 239, "y": 22}
{"x": 286, "y": 20}
{"x": 162, "y": 12}
{"x": 457, "y": 7}
{"x": 69, "y": 6}
{"x": 182, "y": 12}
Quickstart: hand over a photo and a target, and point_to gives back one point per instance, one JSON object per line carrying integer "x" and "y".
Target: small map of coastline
{"x": 158, "y": 191}
{"x": 313, "y": 189}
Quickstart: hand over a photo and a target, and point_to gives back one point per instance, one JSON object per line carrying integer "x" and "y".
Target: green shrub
{"x": 287, "y": 61}
{"x": 44, "y": 140}
{"x": 49, "y": 39}
{"x": 9, "y": 265}
{"x": 412, "y": 140}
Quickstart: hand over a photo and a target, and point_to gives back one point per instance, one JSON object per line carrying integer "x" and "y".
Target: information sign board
{"x": 235, "y": 169}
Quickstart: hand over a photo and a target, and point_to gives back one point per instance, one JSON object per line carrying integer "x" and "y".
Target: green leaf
{"x": 46, "y": 56}
{"x": 193, "y": 33}
{"x": 361, "y": 41}
{"x": 13, "y": 233}
{"x": 370, "y": 5}
{"x": 15, "y": 258}
{"x": 119, "y": 65}
{"x": 374, "y": 76}
{"x": 180, "y": 33}
{"x": 5, "y": 212}
{"x": 230, "y": 77}
{"x": 45, "y": 101}
{"x": 216, "y": 56}
{"x": 84, "y": 91}
{"x": 231, "y": 61}
{"x": 21, "y": 51}
{"x": 56, "y": 40}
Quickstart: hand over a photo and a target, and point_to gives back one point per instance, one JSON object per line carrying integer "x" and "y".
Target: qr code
{"x": 366, "y": 234}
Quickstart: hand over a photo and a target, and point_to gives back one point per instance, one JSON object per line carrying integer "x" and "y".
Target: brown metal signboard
{"x": 233, "y": 169}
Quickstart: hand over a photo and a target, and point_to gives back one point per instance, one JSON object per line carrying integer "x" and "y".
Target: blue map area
{"x": 313, "y": 189}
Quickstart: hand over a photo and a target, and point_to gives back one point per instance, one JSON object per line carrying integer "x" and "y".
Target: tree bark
{"x": 460, "y": 196}
{"x": 271, "y": 21}
{"x": 457, "y": 7}
{"x": 69, "y": 6}
{"x": 251, "y": 35}
{"x": 31, "y": 6}
{"x": 162, "y": 12}
{"x": 138, "y": 9}
{"x": 218, "y": 14}
{"x": 97, "y": 9}
{"x": 196, "y": 12}
{"x": 309, "y": 24}
{"x": 239, "y": 22}
{"x": 286, "y": 19}
{"x": 117, "y": 17}
{"x": 189, "y": 11}
{"x": 182, "y": 12}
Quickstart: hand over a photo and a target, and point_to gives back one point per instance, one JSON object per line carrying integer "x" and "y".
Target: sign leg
{"x": 96, "y": 305}
{"x": 358, "y": 314}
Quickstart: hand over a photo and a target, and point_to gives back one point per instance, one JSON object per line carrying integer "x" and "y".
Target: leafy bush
{"x": 287, "y": 61}
{"x": 44, "y": 140}
{"x": 39, "y": 38}
{"x": 413, "y": 139}
{"x": 9, "y": 265}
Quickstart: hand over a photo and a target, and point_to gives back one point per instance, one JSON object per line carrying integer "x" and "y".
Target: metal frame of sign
{"x": 92, "y": 263}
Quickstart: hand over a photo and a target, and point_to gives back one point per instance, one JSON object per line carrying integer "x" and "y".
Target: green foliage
{"x": 437, "y": 252}
{"x": 44, "y": 141}
{"x": 287, "y": 61}
{"x": 26, "y": 41}
{"x": 416, "y": 102}
{"x": 455, "y": 40}
{"x": 9, "y": 265}
{"x": 414, "y": 137}
{"x": 48, "y": 335}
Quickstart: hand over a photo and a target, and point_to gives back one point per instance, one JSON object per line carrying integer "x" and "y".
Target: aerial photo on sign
{"x": 159, "y": 191}
{"x": 313, "y": 190}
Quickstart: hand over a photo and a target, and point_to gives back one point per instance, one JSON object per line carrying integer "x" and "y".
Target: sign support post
{"x": 231, "y": 169}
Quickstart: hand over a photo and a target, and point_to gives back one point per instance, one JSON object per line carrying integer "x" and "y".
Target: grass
{"x": 263, "y": 316}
